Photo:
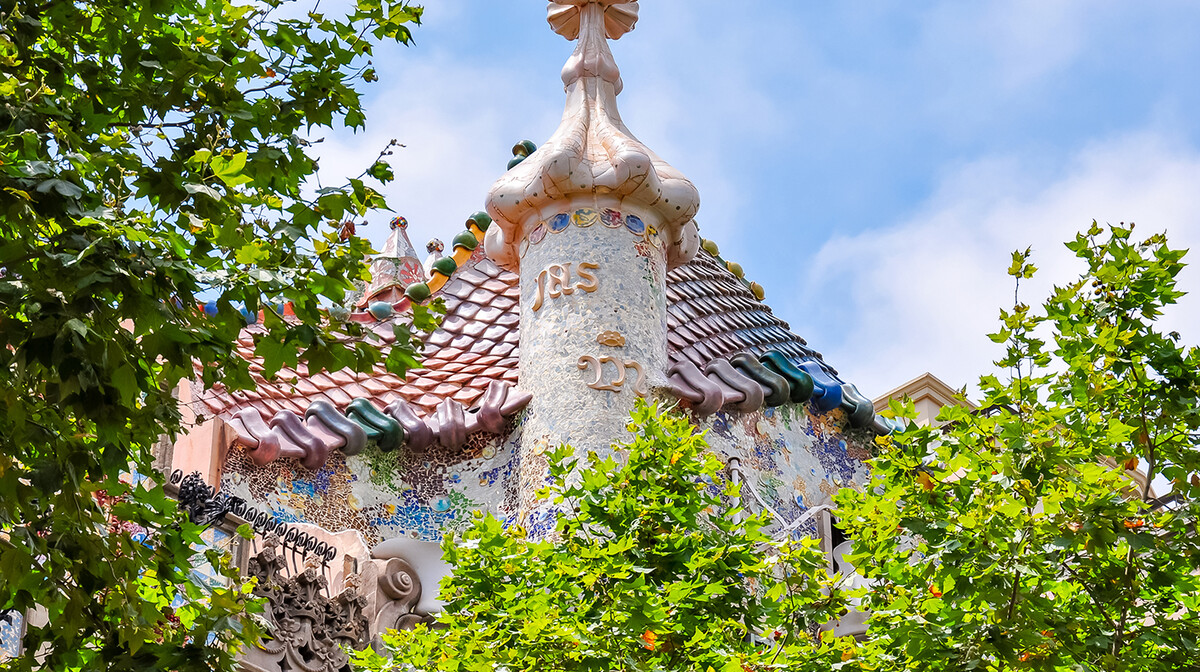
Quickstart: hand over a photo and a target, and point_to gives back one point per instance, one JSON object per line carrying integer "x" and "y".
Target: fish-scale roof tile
{"x": 475, "y": 329}
{"x": 467, "y": 395}
{"x": 489, "y": 268}
{"x": 467, "y": 310}
{"x": 504, "y": 303}
{"x": 473, "y": 276}
{"x": 481, "y": 295}
{"x": 710, "y": 314}
{"x": 439, "y": 338}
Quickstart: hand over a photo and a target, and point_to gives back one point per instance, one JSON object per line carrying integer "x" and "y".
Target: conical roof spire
{"x": 592, "y": 155}
{"x": 395, "y": 268}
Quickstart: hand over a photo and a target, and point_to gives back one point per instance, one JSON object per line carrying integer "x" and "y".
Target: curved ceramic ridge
{"x": 323, "y": 432}
{"x": 489, "y": 417}
{"x": 682, "y": 389}
{"x": 800, "y": 382}
{"x": 827, "y": 394}
{"x": 314, "y": 450}
{"x": 882, "y": 425}
{"x": 450, "y": 424}
{"x": 515, "y": 400}
{"x": 858, "y": 408}
{"x": 265, "y": 446}
{"x": 747, "y": 384}
{"x": 689, "y": 382}
{"x": 419, "y": 434}
{"x": 778, "y": 391}
{"x": 729, "y": 395}
{"x": 324, "y": 428}
{"x": 385, "y": 429}
{"x": 753, "y": 395}
{"x": 353, "y": 437}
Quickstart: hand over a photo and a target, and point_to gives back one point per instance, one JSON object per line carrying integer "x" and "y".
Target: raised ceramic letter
{"x": 585, "y": 362}
{"x": 639, "y": 386}
{"x": 560, "y": 280}
{"x": 555, "y": 281}
{"x": 541, "y": 291}
{"x": 616, "y": 384}
{"x": 591, "y": 282}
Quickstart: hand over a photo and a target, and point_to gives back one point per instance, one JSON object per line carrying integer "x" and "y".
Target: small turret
{"x": 394, "y": 269}
{"x": 591, "y": 221}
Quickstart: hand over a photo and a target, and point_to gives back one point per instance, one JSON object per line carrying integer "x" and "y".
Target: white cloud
{"x": 457, "y": 122}
{"x": 920, "y": 295}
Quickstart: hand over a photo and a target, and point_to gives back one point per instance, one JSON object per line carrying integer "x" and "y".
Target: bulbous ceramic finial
{"x": 620, "y": 16}
{"x": 592, "y": 157}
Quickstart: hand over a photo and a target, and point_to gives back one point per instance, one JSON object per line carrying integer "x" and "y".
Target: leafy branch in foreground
{"x": 153, "y": 155}
{"x": 648, "y": 569}
{"x": 1019, "y": 536}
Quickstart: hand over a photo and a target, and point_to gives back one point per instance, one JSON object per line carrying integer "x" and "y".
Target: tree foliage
{"x": 155, "y": 155}
{"x": 1014, "y": 537}
{"x": 649, "y": 568}
{"x": 1018, "y": 536}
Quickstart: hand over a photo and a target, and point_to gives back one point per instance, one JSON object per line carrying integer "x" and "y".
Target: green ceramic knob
{"x": 466, "y": 239}
{"x": 417, "y": 292}
{"x": 515, "y": 161}
{"x": 446, "y": 266}
{"x": 481, "y": 219}
{"x": 381, "y": 310}
{"x": 524, "y": 148}
{"x": 710, "y": 247}
{"x": 735, "y": 268}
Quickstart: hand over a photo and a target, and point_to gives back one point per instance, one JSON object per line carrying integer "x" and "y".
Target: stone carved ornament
{"x": 398, "y": 583}
{"x": 309, "y": 631}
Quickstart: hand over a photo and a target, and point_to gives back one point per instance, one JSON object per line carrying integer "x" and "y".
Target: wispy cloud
{"x": 894, "y": 152}
{"x": 920, "y": 295}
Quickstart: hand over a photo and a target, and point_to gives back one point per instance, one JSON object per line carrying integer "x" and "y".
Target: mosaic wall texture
{"x": 384, "y": 495}
{"x": 793, "y": 460}
{"x": 10, "y": 635}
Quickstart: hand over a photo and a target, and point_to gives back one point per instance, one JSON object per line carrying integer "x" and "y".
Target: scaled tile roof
{"x": 476, "y": 345}
{"x": 727, "y": 350}
{"x": 711, "y": 315}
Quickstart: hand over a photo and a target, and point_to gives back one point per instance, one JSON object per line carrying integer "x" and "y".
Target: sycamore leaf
{"x": 62, "y": 187}
{"x": 194, "y": 188}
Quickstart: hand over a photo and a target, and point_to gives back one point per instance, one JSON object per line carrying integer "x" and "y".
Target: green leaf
{"x": 61, "y": 187}
{"x": 194, "y": 189}
{"x": 229, "y": 169}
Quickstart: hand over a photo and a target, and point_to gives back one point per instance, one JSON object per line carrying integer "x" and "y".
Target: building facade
{"x": 584, "y": 286}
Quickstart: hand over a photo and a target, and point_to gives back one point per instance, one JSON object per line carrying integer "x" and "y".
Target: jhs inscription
{"x": 557, "y": 281}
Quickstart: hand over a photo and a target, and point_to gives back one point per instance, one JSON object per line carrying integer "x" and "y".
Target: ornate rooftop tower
{"x": 394, "y": 269}
{"x": 591, "y": 221}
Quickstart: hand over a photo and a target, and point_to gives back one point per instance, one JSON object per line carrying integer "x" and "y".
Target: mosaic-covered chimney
{"x": 592, "y": 220}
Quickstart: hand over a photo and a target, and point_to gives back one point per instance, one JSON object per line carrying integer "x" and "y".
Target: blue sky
{"x": 872, "y": 164}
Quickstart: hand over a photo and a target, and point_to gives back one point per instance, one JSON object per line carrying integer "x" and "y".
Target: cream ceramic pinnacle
{"x": 592, "y": 159}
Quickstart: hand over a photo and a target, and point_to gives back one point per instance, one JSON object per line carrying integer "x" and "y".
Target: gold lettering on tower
{"x": 556, "y": 281}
